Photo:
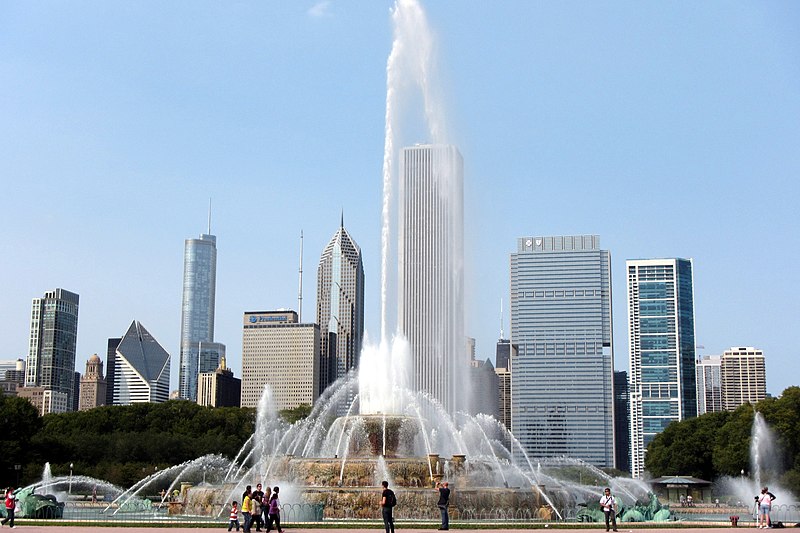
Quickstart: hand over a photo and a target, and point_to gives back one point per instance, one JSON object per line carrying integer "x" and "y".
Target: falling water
{"x": 409, "y": 68}
{"x": 762, "y": 450}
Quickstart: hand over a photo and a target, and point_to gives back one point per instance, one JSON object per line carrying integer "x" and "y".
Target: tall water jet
{"x": 763, "y": 456}
{"x": 422, "y": 220}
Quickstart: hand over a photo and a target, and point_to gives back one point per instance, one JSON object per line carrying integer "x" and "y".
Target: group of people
{"x": 389, "y": 500}
{"x": 256, "y": 504}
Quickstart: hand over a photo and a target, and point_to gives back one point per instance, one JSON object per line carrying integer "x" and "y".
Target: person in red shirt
{"x": 11, "y": 502}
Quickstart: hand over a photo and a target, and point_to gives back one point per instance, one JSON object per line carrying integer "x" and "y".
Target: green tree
{"x": 20, "y": 422}
{"x": 298, "y": 413}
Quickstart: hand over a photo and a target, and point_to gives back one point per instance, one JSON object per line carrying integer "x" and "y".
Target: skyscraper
{"x": 622, "y": 421}
{"x": 54, "y": 334}
{"x": 743, "y": 377}
{"x": 340, "y": 307}
{"x": 662, "y": 349}
{"x": 282, "y": 353}
{"x": 562, "y": 375}
{"x": 111, "y": 367}
{"x": 430, "y": 271}
{"x": 141, "y": 372}
{"x": 198, "y": 352}
{"x": 219, "y": 388}
{"x": 505, "y": 352}
{"x": 709, "y": 385}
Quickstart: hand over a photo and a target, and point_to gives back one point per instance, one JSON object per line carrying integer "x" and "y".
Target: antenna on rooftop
{"x": 300, "y": 292}
{"x": 209, "y": 216}
{"x": 501, "y": 319}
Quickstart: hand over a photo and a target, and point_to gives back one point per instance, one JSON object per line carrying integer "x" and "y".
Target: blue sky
{"x": 669, "y": 129}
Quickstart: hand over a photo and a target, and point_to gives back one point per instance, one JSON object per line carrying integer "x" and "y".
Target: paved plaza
{"x": 55, "y": 528}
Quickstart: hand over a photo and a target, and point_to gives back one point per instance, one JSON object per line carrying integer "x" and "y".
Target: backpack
{"x": 391, "y": 499}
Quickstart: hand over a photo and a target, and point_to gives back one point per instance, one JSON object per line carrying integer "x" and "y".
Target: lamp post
{"x": 70, "y": 477}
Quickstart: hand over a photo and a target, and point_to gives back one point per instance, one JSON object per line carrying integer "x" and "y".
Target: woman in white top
{"x": 764, "y": 507}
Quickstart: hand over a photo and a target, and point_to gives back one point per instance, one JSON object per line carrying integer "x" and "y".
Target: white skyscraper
{"x": 141, "y": 370}
{"x": 430, "y": 270}
{"x": 709, "y": 385}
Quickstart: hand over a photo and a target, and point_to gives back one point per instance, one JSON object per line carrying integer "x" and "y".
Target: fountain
{"x": 765, "y": 470}
{"x": 388, "y": 431}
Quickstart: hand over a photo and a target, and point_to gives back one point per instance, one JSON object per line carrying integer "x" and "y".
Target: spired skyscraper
{"x": 340, "y": 307}
{"x": 430, "y": 271}
{"x": 54, "y": 335}
{"x": 562, "y": 374}
{"x": 662, "y": 349}
{"x": 198, "y": 351}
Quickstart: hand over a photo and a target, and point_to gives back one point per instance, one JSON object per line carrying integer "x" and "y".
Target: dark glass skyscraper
{"x": 562, "y": 375}
{"x": 198, "y": 351}
{"x": 54, "y": 335}
{"x": 662, "y": 349}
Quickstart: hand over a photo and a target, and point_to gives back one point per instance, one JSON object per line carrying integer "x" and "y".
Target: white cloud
{"x": 320, "y": 9}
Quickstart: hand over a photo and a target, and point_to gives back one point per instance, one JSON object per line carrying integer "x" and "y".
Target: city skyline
{"x": 559, "y": 136}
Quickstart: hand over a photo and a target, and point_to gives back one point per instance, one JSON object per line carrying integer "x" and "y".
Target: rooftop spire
{"x": 209, "y": 216}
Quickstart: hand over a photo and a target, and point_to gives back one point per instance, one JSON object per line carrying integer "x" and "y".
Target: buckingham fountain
{"x": 371, "y": 425}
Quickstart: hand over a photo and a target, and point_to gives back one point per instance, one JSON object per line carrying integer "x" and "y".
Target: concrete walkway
{"x": 55, "y": 528}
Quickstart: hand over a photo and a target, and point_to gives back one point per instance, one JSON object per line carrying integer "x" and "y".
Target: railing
{"x": 95, "y": 512}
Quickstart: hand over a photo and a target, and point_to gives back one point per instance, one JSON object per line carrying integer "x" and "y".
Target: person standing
{"x": 247, "y": 497}
{"x": 11, "y": 502}
{"x": 388, "y": 501}
{"x": 609, "y": 507}
{"x": 764, "y": 507}
{"x": 274, "y": 511}
{"x": 444, "y": 500}
{"x": 256, "y": 510}
{"x": 234, "y": 516}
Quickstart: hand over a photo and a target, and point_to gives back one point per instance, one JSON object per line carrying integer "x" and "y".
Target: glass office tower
{"x": 53, "y": 339}
{"x": 662, "y": 349}
{"x": 562, "y": 373}
{"x": 198, "y": 351}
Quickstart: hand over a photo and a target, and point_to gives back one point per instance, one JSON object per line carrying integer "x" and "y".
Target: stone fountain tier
{"x": 406, "y": 472}
{"x": 372, "y": 435}
{"x": 420, "y": 503}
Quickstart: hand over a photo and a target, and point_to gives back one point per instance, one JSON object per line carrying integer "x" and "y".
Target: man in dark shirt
{"x": 444, "y": 499}
{"x": 388, "y": 501}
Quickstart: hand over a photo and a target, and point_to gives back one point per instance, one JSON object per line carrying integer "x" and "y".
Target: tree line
{"x": 120, "y": 444}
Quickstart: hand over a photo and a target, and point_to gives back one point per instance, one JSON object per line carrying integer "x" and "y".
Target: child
{"x": 234, "y": 516}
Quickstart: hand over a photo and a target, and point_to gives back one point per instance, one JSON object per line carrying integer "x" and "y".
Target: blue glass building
{"x": 198, "y": 351}
{"x": 562, "y": 401}
{"x": 662, "y": 349}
